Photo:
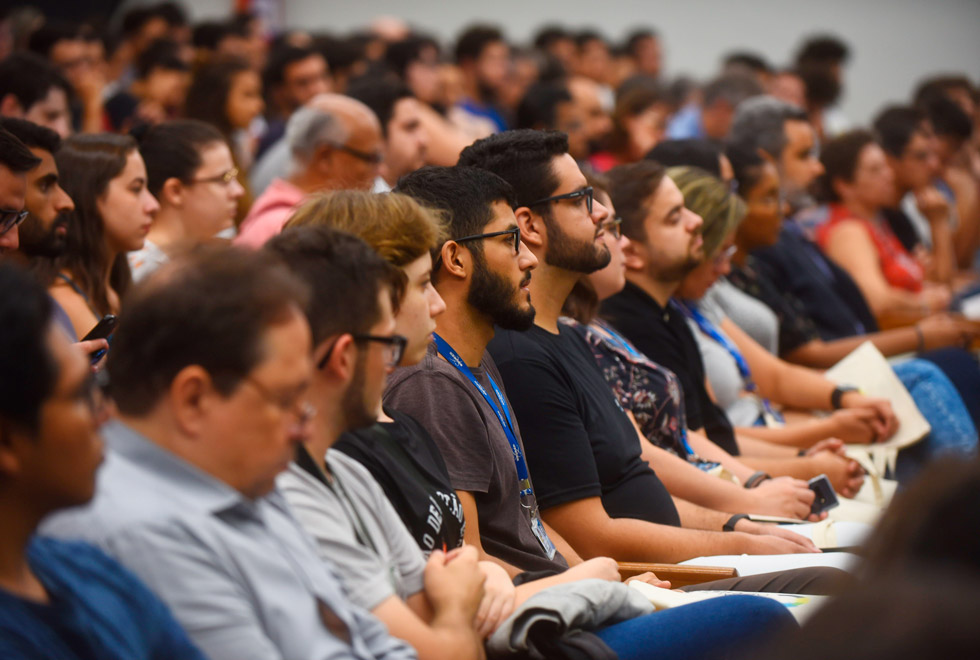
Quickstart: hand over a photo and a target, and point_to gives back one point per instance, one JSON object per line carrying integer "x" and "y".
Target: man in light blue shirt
{"x": 209, "y": 371}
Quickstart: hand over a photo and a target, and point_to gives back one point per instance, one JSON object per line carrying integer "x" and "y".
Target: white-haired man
{"x": 335, "y": 143}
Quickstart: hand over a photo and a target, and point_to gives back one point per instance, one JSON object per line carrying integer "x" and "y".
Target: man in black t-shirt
{"x": 593, "y": 486}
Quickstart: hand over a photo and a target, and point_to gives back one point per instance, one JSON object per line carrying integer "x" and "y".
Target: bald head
{"x": 336, "y": 143}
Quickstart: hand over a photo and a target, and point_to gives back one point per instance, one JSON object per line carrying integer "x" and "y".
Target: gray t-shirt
{"x": 753, "y": 316}
{"x": 743, "y": 409}
{"x": 240, "y": 574}
{"x": 356, "y": 529}
{"x": 476, "y": 450}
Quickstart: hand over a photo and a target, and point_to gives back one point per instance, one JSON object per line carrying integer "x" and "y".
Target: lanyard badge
{"x": 502, "y": 412}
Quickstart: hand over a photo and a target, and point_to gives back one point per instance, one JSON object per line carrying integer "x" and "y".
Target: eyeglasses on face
{"x": 224, "y": 178}
{"x": 372, "y": 158}
{"x": 296, "y": 405}
{"x": 514, "y": 231}
{"x": 395, "y": 345}
{"x": 586, "y": 192}
{"x": 613, "y": 226}
{"x": 10, "y": 219}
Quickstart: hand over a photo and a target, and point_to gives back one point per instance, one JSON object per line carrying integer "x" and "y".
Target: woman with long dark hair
{"x": 227, "y": 93}
{"x": 105, "y": 176}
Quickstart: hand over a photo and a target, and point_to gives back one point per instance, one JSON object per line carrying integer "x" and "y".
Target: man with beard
{"x": 44, "y": 231}
{"x": 665, "y": 245}
{"x": 594, "y": 488}
{"x": 481, "y": 272}
{"x": 430, "y": 604}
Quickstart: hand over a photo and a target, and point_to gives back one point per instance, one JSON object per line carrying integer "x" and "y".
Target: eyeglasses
{"x": 586, "y": 192}
{"x": 613, "y": 226}
{"x": 374, "y": 158}
{"x": 10, "y": 219}
{"x": 515, "y": 231}
{"x": 224, "y": 178}
{"x": 725, "y": 255}
{"x": 296, "y": 405}
{"x": 395, "y": 345}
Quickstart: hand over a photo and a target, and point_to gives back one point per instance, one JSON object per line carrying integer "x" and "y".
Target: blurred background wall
{"x": 894, "y": 42}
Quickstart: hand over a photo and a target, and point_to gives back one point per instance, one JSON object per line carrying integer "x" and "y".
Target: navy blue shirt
{"x": 833, "y": 301}
{"x": 97, "y": 610}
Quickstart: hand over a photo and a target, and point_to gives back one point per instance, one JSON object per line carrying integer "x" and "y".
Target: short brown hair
{"x": 630, "y": 187}
{"x": 211, "y": 308}
{"x": 396, "y": 226}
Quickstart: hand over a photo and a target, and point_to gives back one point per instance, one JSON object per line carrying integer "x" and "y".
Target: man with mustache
{"x": 44, "y": 231}
{"x": 595, "y": 486}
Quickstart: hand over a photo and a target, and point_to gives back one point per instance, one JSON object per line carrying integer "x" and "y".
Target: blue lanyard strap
{"x": 502, "y": 411}
{"x": 708, "y": 328}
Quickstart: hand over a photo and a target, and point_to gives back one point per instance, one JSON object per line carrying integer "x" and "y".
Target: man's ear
{"x": 192, "y": 396}
{"x": 172, "y": 191}
{"x": 11, "y": 107}
{"x": 322, "y": 158}
{"x": 343, "y": 357}
{"x": 10, "y": 462}
{"x": 766, "y": 156}
{"x": 456, "y": 260}
{"x": 635, "y": 255}
{"x": 533, "y": 231}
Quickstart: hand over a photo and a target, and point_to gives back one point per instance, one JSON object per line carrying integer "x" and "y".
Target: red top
{"x": 901, "y": 269}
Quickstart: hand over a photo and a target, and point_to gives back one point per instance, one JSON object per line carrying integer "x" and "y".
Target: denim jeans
{"x": 717, "y": 628}
{"x": 953, "y": 432}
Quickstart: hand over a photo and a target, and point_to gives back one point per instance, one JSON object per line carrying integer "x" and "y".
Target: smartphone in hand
{"x": 102, "y": 330}
{"x": 825, "y": 498}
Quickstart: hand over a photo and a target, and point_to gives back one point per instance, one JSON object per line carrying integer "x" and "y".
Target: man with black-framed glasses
{"x": 429, "y": 603}
{"x": 15, "y": 161}
{"x": 593, "y": 485}
{"x": 210, "y": 412}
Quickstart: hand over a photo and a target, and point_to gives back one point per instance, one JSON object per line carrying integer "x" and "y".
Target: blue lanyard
{"x": 503, "y": 416}
{"x": 708, "y": 328}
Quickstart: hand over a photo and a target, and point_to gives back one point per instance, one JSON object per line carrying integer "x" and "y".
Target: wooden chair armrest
{"x": 679, "y": 576}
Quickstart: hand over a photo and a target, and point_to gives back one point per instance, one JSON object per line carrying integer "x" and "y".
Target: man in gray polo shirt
{"x": 210, "y": 368}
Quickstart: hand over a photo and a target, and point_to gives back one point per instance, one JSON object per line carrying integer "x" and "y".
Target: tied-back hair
{"x": 396, "y": 226}
{"x": 172, "y": 150}
{"x": 712, "y": 199}
{"x": 86, "y": 165}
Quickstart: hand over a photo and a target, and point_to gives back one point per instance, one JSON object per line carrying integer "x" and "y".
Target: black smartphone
{"x": 102, "y": 330}
{"x": 825, "y": 498}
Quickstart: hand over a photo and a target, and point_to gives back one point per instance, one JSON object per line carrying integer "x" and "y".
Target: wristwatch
{"x": 730, "y": 525}
{"x": 838, "y": 394}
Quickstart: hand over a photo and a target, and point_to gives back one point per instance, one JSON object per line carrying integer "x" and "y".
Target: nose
{"x": 599, "y": 212}
{"x": 694, "y": 221}
{"x": 10, "y": 240}
{"x": 525, "y": 258}
{"x": 235, "y": 189}
{"x": 64, "y": 203}
{"x": 816, "y": 166}
{"x": 150, "y": 205}
{"x": 436, "y": 304}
